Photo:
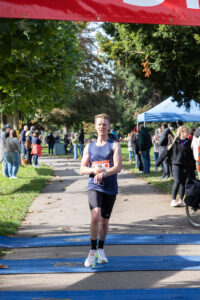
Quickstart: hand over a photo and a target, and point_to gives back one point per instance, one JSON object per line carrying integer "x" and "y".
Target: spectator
{"x": 138, "y": 160}
{"x": 75, "y": 141}
{"x": 182, "y": 162}
{"x": 192, "y": 174}
{"x": 32, "y": 130}
{"x": 112, "y": 135}
{"x": 36, "y": 148}
{"x": 165, "y": 140}
{"x": 195, "y": 147}
{"x": 5, "y": 135}
{"x": 191, "y": 133}
{"x": 22, "y": 141}
{"x": 179, "y": 125}
{"x": 66, "y": 142}
{"x": 130, "y": 145}
{"x": 145, "y": 143}
{"x": 28, "y": 146}
{"x": 13, "y": 150}
{"x": 51, "y": 142}
{"x": 156, "y": 146}
{"x": 57, "y": 137}
{"x": 81, "y": 141}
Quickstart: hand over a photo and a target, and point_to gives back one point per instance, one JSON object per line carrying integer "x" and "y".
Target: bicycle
{"x": 192, "y": 202}
{"x": 193, "y": 215}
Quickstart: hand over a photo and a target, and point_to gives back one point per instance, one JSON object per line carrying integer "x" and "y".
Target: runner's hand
{"x": 97, "y": 170}
{"x": 98, "y": 178}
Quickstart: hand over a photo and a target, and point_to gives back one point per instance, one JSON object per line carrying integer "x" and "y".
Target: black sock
{"x": 93, "y": 244}
{"x": 101, "y": 244}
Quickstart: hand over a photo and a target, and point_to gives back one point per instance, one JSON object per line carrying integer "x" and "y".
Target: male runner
{"x": 101, "y": 161}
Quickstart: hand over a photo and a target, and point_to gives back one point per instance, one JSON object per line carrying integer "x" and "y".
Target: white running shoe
{"x": 91, "y": 259}
{"x": 174, "y": 203}
{"x": 180, "y": 203}
{"x": 101, "y": 256}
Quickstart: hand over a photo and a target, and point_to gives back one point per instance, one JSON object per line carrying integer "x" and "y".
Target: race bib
{"x": 103, "y": 164}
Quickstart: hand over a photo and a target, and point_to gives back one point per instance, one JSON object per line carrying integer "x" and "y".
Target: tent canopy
{"x": 169, "y": 111}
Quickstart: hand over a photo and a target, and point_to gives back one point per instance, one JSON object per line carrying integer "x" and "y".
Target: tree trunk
{"x": 16, "y": 120}
{"x": 13, "y": 120}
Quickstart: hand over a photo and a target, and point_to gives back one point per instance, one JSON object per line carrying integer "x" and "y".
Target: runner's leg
{"x": 95, "y": 220}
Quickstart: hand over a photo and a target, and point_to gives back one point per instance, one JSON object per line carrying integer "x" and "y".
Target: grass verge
{"x": 16, "y": 195}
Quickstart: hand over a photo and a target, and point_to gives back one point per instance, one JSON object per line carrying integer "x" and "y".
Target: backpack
{"x": 192, "y": 192}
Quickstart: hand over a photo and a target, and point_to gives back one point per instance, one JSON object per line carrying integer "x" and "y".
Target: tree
{"x": 38, "y": 63}
{"x": 171, "y": 53}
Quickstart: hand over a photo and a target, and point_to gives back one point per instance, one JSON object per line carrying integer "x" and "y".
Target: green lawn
{"x": 153, "y": 177}
{"x": 16, "y": 195}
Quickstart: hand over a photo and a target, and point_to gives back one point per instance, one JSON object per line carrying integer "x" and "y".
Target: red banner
{"x": 177, "y": 12}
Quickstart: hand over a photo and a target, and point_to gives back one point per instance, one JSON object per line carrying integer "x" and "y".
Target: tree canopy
{"x": 170, "y": 55}
{"x": 39, "y": 60}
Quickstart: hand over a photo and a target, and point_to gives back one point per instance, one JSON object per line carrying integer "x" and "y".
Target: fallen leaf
{"x": 63, "y": 228}
{"x": 7, "y": 252}
{"x": 3, "y": 266}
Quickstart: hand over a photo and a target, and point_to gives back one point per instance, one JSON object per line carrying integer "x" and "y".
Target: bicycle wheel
{"x": 193, "y": 215}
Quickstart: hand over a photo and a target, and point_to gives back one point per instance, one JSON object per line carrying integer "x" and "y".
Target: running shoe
{"x": 174, "y": 203}
{"x": 91, "y": 259}
{"x": 180, "y": 203}
{"x": 101, "y": 256}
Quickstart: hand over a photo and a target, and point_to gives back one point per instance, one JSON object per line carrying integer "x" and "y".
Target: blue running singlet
{"x": 102, "y": 156}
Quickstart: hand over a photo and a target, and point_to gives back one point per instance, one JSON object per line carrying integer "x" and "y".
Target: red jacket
{"x": 37, "y": 149}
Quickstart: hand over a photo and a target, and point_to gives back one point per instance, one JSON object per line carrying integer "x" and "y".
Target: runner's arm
{"x": 117, "y": 160}
{"x": 85, "y": 170}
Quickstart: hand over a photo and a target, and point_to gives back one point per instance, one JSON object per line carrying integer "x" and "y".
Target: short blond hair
{"x": 102, "y": 116}
{"x": 183, "y": 128}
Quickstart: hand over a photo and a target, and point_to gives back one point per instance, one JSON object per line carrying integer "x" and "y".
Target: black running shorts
{"x": 102, "y": 200}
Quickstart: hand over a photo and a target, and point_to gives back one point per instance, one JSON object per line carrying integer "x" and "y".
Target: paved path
{"x": 62, "y": 209}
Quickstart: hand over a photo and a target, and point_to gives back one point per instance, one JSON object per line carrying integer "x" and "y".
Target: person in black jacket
{"x": 145, "y": 143}
{"x": 163, "y": 143}
{"x": 81, "y": 141}
{"x": 51, "y": 142}
{"x": 138, "y": 159}
{"x": 182, "y": 163}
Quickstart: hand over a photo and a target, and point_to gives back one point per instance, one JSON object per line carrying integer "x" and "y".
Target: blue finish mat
{"x": 112, "y": 239}
{"x": 116, "y": 264}
{"x": 153, "y": 294}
